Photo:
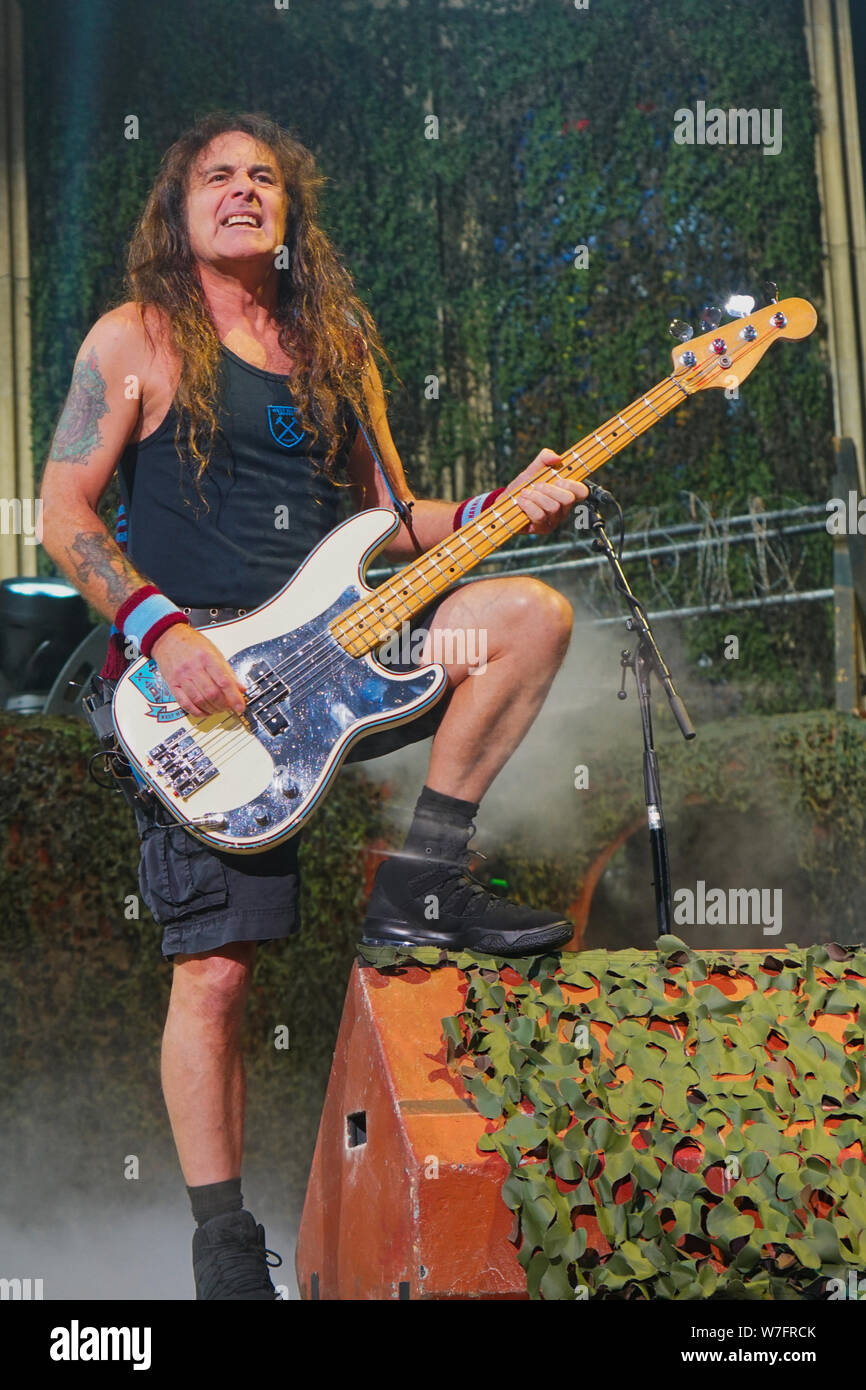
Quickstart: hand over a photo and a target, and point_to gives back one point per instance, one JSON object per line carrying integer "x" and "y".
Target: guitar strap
{"x": 401, "y": 507}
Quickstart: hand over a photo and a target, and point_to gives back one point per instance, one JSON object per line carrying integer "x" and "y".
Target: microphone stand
{"x": 642, "y": 661}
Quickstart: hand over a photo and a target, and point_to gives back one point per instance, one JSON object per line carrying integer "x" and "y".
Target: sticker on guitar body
{"x": 154, "y": 689}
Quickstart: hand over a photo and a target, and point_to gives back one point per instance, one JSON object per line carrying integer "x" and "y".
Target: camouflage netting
{"x": 676, "y": 1125}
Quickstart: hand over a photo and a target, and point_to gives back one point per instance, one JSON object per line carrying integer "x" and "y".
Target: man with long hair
{"x": 228, "y": 384}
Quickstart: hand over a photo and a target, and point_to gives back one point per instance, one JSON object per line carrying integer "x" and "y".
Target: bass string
{"x": 221, "y": 739}
{"x": 226, "y": 738}
{"x": 306, "y": 662}
{"x": 506, "y": 508}
{"x": 302, "y": 651}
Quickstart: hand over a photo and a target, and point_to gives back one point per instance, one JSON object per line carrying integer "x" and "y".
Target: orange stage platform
{"x": 396, "y": 1176}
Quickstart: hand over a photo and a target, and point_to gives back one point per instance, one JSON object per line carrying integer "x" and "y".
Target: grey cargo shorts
{"x": 204, "y": 898}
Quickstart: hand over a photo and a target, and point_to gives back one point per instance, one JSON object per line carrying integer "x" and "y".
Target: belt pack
{"x": 96, "y": 705}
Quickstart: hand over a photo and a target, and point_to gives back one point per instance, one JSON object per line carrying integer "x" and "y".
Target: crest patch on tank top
{"x": 283, "y": 425}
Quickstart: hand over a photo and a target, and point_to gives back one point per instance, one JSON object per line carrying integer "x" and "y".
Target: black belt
{"x": 202, "y": 617}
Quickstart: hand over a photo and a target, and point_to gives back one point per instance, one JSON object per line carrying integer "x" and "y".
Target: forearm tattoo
{"x": 77, "y": 433}
{"x": 95, "y": 556}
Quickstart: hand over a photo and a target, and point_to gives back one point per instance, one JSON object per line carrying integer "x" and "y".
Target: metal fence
{"x": 772, "y": 568}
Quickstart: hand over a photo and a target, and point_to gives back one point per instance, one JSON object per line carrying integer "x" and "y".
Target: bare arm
{"x": 98, "y": 418}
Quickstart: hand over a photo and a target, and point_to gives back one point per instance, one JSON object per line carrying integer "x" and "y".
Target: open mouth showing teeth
{"x": 242, "y": 219}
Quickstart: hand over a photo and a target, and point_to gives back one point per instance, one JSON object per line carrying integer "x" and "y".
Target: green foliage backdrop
{"x": 555, "y": 129}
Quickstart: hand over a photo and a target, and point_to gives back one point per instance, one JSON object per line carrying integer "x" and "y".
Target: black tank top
{"x": 269, "y": 503}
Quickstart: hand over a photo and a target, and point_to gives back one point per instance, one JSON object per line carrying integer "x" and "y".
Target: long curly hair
{"x": 322, "y": 323}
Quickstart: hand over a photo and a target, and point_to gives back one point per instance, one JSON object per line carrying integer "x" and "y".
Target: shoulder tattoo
{"x": 77, "y": 433}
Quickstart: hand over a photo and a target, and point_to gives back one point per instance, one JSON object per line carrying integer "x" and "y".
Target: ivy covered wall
{"x": 555, "y": 129}
{"x": 471, "y": 148}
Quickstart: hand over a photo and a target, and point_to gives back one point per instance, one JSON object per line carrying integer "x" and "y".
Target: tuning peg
{"x": 711, "y": 317}
{"x": 771, "y": 290}
{"x": 739, "y": 306}
{"x": 680, "y": 330}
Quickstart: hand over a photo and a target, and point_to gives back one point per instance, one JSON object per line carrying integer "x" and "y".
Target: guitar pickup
{"x": 263, "y": 707}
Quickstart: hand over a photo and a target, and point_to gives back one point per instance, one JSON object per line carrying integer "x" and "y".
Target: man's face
{"x": 236, "y": 202}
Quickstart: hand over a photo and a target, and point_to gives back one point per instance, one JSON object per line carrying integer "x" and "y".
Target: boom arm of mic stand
{"x": 640, "y": 622}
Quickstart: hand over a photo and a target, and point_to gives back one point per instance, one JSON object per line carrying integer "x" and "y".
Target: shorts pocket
{"x": 178, "y": 876}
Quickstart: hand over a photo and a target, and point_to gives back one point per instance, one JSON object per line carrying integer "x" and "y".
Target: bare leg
{"x": 202, "y": 1068}
{"x": 527, "y": 626}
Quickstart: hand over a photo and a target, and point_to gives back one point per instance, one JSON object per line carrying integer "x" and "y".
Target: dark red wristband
{"x": 160, "y": 626}
{"x": 133, "y": 601}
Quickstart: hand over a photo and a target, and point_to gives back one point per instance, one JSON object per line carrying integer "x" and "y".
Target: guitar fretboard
{"x": 365, "y": 625}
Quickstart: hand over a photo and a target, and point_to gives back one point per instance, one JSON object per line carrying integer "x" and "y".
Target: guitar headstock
{"x": 726, "y": 355}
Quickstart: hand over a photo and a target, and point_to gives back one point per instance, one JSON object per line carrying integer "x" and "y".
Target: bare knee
{"x": 213, "y": 985}
{"x": 542, "y": 612}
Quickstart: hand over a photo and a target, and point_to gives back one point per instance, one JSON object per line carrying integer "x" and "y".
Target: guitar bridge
{"x": 181, "y": 764}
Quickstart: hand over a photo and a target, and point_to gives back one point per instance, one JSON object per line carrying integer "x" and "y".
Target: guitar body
{"x": 245, "y": 785}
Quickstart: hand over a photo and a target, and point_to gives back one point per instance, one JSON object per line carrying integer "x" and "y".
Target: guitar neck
{"x": 365, "y": 625}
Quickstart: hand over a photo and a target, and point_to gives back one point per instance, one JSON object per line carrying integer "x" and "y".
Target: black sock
{"x": 445, "y": 817}
{"x": 440, "y": 806}
{"x": 215, "y": 1198}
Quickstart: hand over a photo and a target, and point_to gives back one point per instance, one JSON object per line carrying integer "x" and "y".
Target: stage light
{"x": 42, "y": 622}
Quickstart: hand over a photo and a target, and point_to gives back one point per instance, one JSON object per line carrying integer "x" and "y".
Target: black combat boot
{"x": 230, "y": 1261}
{"x": 426, "y": 896}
